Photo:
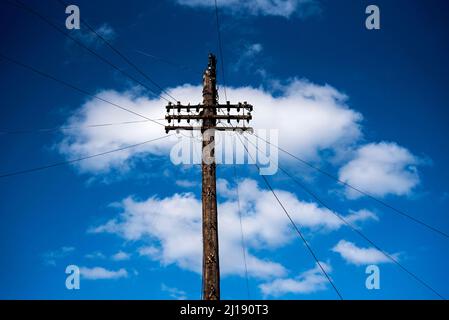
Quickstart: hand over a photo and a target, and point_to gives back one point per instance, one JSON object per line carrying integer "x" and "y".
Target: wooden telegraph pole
{"x": 207, "y": 114}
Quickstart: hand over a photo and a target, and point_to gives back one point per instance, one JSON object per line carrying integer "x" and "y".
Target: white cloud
{"x": 51, "y": 257}
{"x": 284, "y": 8}
{"x": 224, "y": 189}
{"x": 310, "y": 118}
{"x": 254, "y": 48}
{"x": 381, "y": 169}
{"x": 150, "y": 251}
{"x": 186, "y": 183}
{"x": 95, "y": 255}
{"x": 174, "y": 293}
{"x": 106, "y": 31}
{"x": 360, "y": 256}
{"x": 79, "y": 142}
{"x": 246, "y": 60}
{"x": 308, "y": 282}
{"x": 98, "y": 273}
{"x": 170, "y": 228}
{"x": 361, "y": 215}
{"x": 89, "y": 38}
{"x": 121, "y": 256}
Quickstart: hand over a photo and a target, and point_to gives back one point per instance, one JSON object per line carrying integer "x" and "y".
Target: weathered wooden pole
{"x": 211, "y": 265}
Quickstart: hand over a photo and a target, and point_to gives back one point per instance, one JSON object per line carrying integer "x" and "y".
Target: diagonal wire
{"x": 242, "y": 234}
{"x": 53, "y": 129}
{"x": 297, "y": 229}
{"x": 386, "y": 254}
{"x": 118, "y": 52}
{"x": 235, "y": 170}
{"x": 221, "y": 50}
{"x": 241, "y": 226}
{"x": 22, "y": 5}
{"x": 62, "y": 163}
{"x": 345, "y": 221}
{"x": 48, "y": 76}
{"x": 171, "y": 63}
{"x": 426, "y": 225}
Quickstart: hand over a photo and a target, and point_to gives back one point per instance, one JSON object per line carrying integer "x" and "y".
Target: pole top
{"x": 212, "y": 60}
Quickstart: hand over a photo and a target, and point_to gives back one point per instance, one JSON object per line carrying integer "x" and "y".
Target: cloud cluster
{"x": 381, "y": 169}
{"x": 310, "y": 119}
{"x": 52, "y": 257}
{"x": 247, "y": 55}
{"x": 360, "y": 256}
{"x": 308, "y": 282}
{"x": 174, "y": 293}
{"x": 170, "y": 228}
{"x": 121, "y": 256}
{"x": 100, "y": 273}
{"x": 361, "y": 215}
{"x": 89, "y": 38}
{"x": 81, "y": 140}
{"x": 283, "y": 8}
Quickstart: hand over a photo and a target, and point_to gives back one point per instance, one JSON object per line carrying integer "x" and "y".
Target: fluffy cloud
{"x": 284, "y": 8}
{"x": 121, "y": 256}
{"x": 247, "y": 57}
{"x": 51, "y": 257}
{"x": 186, "y": 183}
{"x": 361, "y": 215}
{"x": 175, "y": 225}
{"x": 171, "y": 228}
{"x": 81, "y": 140}
{"x": 381, "y": 169}
{"x": 174, "y": 293}
{"x": 89, "y": 38}
{"x": 360, "y": 256}
{"x": 308, "y": 282}
{"x": 100, "y": 273}
{"x": 95, "y": 255}
{"x": 310, "y": 119}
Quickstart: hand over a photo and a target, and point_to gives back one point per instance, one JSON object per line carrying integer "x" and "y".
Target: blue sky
{"x": 368, "y": 106}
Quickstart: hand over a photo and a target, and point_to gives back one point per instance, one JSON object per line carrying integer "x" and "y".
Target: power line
{"x": 386, "y": 254}
{"x": 20, "y": 4}
{"x": 240, "y": 215}
{"x": 64, "y": 4}
{"x": 297, "y": 229}
{"x": 46, "y": 75}
{"x": 358, "y": 190}
{"x": 62, "y": 163}
{"x": 241, "y": 232}
{"x": 345, "y": 221}
{"x": 303, "y": 239}
{"x": 235, "y": 170}
{"x": 174, "y": 64}
{"x": 53, "y": 129}
{"x": 240, "y": 220}
{"x": 221, "y": 50}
